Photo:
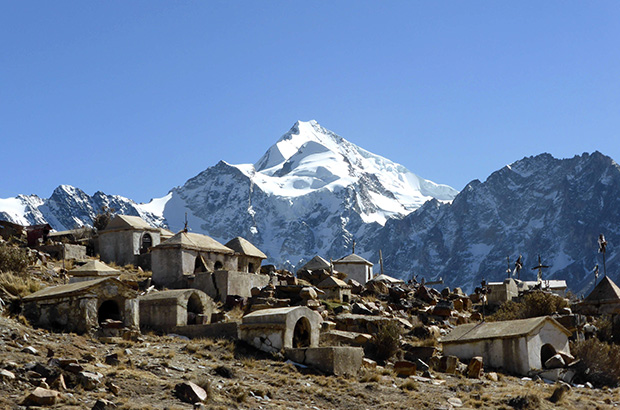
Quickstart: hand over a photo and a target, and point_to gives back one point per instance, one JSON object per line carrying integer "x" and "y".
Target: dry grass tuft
{"x": 410, "y": 385}
{"x": 14, "y": 258}
{"x": 525, "y": 402}
{"x": 369, "y": 376}
{"x": 18, "y": 284}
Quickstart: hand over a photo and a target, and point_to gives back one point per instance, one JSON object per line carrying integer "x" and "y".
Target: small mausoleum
{"x": 603, "y": 300}
{"x": 249, "y": 257}
{"x": 125, "y": 238}
{"x": 516, "y": 346}
{"x": 501, "y": 292}
{"x": 356, "y": 268}
{"x": 176, "y": 260}
{"x": 335, "y": 289}
{"x": 316, "y": 263}
{"x": 82, "y": 307}
{"x": 167, "y": 309}
{"x": 92, "y": 269}
{"x": 271, "y": 330}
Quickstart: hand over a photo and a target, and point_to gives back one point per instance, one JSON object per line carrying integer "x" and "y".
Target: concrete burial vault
{"x": 271, "y": 330}
{"x": 82, "y": 306}
{"x": 167, "y": 309}
{"x": 170, "y": 308}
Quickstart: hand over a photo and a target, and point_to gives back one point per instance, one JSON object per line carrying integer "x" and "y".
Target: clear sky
{"x": 135, "y": 97}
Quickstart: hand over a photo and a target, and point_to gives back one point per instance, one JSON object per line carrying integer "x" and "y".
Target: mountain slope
{"x": 311, "y": 192}
{"x": 538, "y": 205}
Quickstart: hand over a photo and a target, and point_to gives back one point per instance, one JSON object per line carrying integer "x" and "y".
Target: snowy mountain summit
{"x": 311, "y": 192}
{"x": 310, "y": 157}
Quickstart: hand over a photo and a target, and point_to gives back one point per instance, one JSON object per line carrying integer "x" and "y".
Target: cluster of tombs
{"x": 327, "y": 315}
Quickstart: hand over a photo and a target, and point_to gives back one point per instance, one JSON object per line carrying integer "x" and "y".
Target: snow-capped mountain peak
{"x": 310, "y": 157}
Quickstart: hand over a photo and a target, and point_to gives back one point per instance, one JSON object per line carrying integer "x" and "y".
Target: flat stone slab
{"x": 336, "y": 360}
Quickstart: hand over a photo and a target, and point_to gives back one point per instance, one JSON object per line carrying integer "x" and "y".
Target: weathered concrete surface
{"x": 516, "y": 346}
{"x": 336, "y": 337}
{"x": 221, "y": 284}
{"x": 336, "y": 360}
{"x": 224, "y": 330}
{"x": 170, "y": 308}
{"x": 122, "y": 243}
{"x": 271, "y": 330}
{"x": 360, "y": 323}
{"x": 65, "y": 251}
{"x": 80, "y": 307}
{"x": 176, "y": 260}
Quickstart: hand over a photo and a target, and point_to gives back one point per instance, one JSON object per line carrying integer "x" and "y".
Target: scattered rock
{"x": 342, "y": 309}
{"x": 114, "y": 389}
{"x": 474, "y": 370}
{"x": 90, "y": 380}
{"x": 308, "y": 293}
{"x": 42, "y": 397}
{"x": 559, "y": 392}
{"x": 492, "y": 376}
{"x": 360, "y": 309}
{"x": 74, "y": 368}
{"x": 6, "y": 375}
{"x": 103, "y": 404}
{"x": 448, "y": 364}
{"x": 112, "y": 359}
{"x": 455, "y": 401}
{"x": 190, "y": 392}
{"x": 225, "y": 372}
{"x": 31, "y": 350}
{"x": 405, "y": 368}
{"x": 59, "y": 383}
{"x": 421, "y": 365}
{"x": 369, "y": 363}
{"x": 555, "y": 362}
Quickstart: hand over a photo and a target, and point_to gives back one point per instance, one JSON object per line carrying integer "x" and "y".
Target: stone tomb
{"x": 516, "y": 346}
{"x": 82, "y": 307}
{"x": 92, "y": 269}
{"x": 125, "y": 238}
{"x": 336, "y": 360}
{"x": 167, "y": 309}
{"x": 271, "y": 330}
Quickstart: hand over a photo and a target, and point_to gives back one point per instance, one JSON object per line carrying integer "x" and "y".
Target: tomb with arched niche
{"x": 83, "y": 307}
{"x": 167, "y": 309}
{"x": 271, "y": 330}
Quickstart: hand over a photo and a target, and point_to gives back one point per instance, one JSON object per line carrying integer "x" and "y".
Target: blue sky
{"x": 133, "y": 98}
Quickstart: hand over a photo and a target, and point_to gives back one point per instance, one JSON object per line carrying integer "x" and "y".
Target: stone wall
{"x": 220, "y": 284}
{"x": 66, "y": 251}
{"x": 167, "y": 309}
{"x": 356, "y": 271}
{"x": 172, "y": 266}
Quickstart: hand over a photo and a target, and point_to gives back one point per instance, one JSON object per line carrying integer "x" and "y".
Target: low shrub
{"x": 14, "y": 259}
{"x": 533, "y": 304}
{"x": 386, "y": 340}
{"x": 599, "y": 362}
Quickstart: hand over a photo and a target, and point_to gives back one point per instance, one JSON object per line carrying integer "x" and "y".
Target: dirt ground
{"x": 236, "y": 376}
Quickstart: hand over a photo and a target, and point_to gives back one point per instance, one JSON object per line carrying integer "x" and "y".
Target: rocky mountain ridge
{"x": 313, "y": 192}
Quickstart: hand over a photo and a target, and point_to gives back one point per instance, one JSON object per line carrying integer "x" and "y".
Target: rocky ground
{"x": 146, "y": 372}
